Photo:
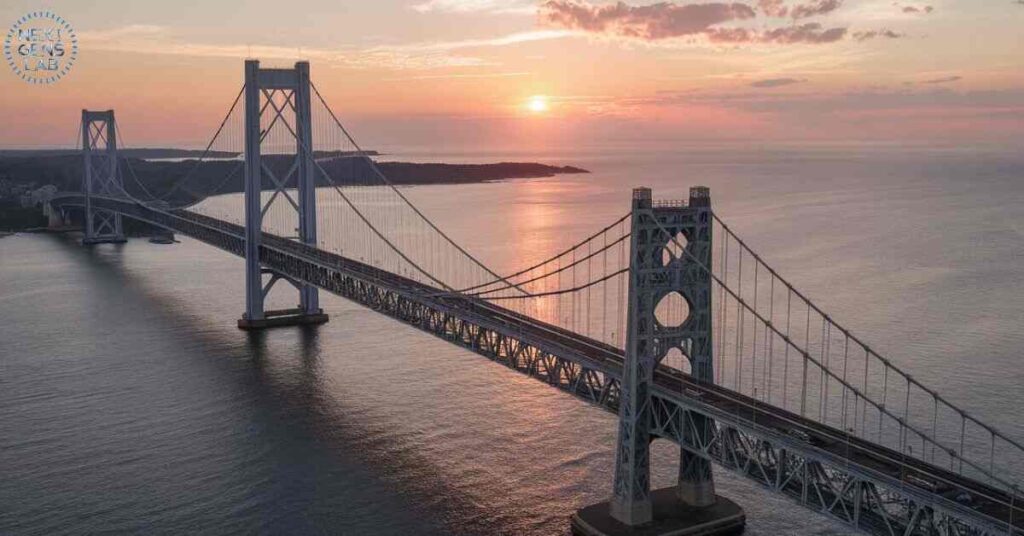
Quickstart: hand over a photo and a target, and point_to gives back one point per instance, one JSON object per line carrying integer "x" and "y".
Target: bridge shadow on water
{"x": 283, "y": 431}
{"x": 309, "y": 461}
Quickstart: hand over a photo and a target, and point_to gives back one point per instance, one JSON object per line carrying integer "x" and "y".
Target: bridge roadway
{"x": 868, "y": 486}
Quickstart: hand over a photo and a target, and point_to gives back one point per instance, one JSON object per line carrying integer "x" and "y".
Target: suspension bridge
{"x": 664, "y": 317}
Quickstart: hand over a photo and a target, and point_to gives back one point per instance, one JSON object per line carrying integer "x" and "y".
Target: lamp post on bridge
{"x": 670, "y": 259}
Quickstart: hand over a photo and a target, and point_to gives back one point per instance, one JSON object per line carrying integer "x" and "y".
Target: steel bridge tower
{"x": 101, "y": 176}
{"x": 261, "y": 86}
{"x": 670, "y": 255}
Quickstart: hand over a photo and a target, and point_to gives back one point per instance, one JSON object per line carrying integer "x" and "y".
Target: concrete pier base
{"x": 162, "y": 237}
{"x": 283, "y": 317}
{"x": 671, "y": 518}
{"x": 698, "y": 494}
{"x": 104, "y": 240}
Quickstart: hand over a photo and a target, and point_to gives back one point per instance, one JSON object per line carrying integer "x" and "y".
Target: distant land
{"x": 426, "y": 173}
{"x": 158, "y": 174}
{"x": 158, "y": 152}
{"x": 175, "y": 172}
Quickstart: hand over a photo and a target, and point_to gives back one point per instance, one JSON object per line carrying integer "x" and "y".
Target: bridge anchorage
{"x": 660, "y": 271}
{"x": 101, "y": 176}
{"x": 280, "y": 96}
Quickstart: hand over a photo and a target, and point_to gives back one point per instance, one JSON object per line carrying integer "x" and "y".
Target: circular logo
{"x": 41, "y": 47}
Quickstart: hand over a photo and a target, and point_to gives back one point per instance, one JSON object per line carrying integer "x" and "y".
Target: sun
{"x": 537, "y": 104}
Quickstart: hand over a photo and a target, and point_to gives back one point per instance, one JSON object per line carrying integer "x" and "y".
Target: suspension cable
{"x": 128, "y": 164}
{"x": 552, "y": 259}
{"x": 562, "y": 291}
{"x": 379, "y": 173}
{"x": 351, "y": 205}
{"x": 888, "y": 364}
{"x": 549, "y": 274}
{"x": 904, "y": 423}
{"x": 206, "y": 151}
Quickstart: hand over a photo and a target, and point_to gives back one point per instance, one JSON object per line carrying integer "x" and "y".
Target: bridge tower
{"x": 261, "y": 86}
{"x": 101, "y": 177}
{"x": 670, "y": 258}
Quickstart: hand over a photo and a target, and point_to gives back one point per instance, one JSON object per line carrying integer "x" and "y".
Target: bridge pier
{"x": 263, "y": 84}
{"x": 56, "y": 219}
{"x": 670, "y": 251}
{"x": 283, "y": 317}
{"x": 101, "y": 177}
{"x": 669, "y": 518}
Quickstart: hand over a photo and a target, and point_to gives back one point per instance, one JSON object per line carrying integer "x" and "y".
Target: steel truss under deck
{"x": 863, "y": 485}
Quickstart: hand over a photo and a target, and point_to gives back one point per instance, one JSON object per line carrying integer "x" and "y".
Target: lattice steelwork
{"x": 658, "y": 273}
{"x": 722, "y": 356}
{"x": 872, "y": 488}
{"x": 282, "y": 95}
{"x": 101, "y": 176}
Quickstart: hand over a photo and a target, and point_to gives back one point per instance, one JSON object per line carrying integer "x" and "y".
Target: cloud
{"x": 775, "y": 82}
{"x": 666, "y": 21}
{"x": 475, "y": 6}
{"x": 456, "y": 76}
{"x": 815, "y": 8}
{"x": 811, "y": 32}
{"x": 650, "y": 22}
{"x": 149, "y": 39}
{"x": 776, "y": 8}
{"x": 872, "y": 34}
{"x": 943, "y": 80}
{"x": 814, "y": 103}
{"x": 145, "y": 39}
{"x": 915, "y": 9}
{"x": 503, "y": 40}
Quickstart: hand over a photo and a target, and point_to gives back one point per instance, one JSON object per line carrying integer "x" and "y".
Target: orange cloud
{"x": 664, "y": 21}
{"x": 872, "y": 34}
{"x": 816, "y": 8}
{"x": 915, "y": 9}
{"x": 773, "y": 8}
{"x": 655, "y": 21}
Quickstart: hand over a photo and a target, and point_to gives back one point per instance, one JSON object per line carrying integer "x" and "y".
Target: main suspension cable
{"x": 562, "y": 291}
{"x": 549, "y": 274}
{"x": 380, "y": 174}
{"x": 206, "y": 151}
{"x": 552, "y": 259}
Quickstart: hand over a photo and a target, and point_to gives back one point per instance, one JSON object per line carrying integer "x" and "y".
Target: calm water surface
{"x": 130, "y": 403}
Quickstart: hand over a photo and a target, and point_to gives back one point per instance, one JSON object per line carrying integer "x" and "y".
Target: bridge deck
{"x": 913, "y": 474}
{"x": 912, "y": 471}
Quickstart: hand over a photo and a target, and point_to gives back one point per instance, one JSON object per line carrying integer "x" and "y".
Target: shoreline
{"x": 22, "y": 176}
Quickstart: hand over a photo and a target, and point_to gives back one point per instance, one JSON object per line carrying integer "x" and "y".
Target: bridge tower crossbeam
{"x": 261, "y": 86}
{"x": 658, "y": 271}
{"x": 101, "y": 176}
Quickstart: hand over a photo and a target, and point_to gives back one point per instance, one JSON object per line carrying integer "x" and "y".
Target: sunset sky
{"x": 452, "y": 73}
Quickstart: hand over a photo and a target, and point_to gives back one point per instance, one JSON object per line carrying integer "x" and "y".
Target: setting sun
{"x": 538, "y": 104}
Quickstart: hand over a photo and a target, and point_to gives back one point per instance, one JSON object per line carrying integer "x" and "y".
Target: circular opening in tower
{"x": 672, "y": 310}
{"x": 676, "y": 359}
{"x": 674, "y": 249}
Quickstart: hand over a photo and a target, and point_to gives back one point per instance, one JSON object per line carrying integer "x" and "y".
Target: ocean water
{"x": 130, "y": 403}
